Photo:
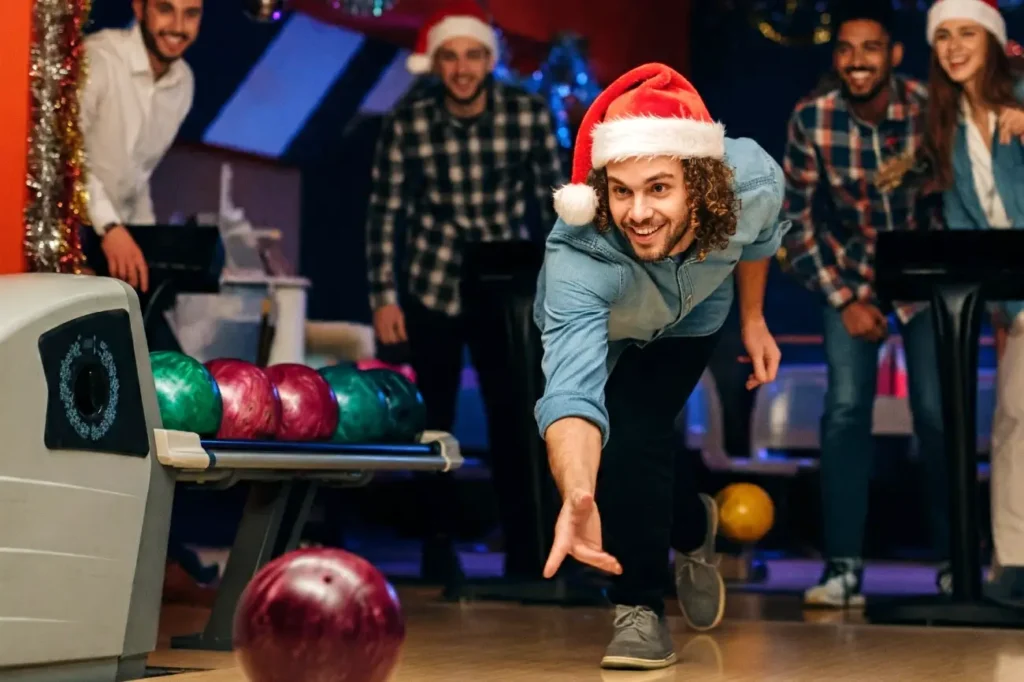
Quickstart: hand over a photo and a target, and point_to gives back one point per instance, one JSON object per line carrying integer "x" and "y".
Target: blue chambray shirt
{"x": 594, "y": 298}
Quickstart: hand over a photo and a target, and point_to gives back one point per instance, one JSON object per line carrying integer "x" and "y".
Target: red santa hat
{"x": 649, "y": 111}
{"x": 456, "y": 19}
{"x": 985, "y": 12}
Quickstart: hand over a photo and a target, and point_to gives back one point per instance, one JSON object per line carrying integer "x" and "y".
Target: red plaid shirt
{"x": 829, "y": 149}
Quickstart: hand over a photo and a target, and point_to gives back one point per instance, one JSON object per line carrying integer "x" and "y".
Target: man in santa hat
{"x": 457, "y": 164}
{"x": 636, "y": 283}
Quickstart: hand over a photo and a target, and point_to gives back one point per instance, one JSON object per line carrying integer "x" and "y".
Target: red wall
{"x": 619, "y": 38}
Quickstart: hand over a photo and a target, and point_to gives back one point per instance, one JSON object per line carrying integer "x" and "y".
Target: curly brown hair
{"x": 712, "y": 201}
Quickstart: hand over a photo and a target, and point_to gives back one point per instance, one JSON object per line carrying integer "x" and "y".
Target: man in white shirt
{"x": 137, "y": 94}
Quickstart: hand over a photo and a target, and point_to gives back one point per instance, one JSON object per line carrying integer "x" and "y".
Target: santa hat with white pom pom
{"x": 456, "y": 19}
{"x": 647, "y": 112}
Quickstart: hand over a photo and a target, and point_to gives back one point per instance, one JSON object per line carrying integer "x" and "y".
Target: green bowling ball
{"x": 362, "y": 408}
{"x": 189, "y": 397}
{"x": 407, "y": 414}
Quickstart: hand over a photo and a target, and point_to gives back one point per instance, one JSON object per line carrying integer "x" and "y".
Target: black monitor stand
{"x": 955, "y": 271}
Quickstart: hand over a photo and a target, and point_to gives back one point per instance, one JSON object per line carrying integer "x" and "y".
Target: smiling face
{"x": 169, "y": 27}
{"x": 648, "y": 202}
{"x": 864, "y": 58}
{"x": 961, "y": 46}
{"x": 463, "y": 65}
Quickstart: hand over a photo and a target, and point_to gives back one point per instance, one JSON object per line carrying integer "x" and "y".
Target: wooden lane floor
{"x": 757, "y": 641}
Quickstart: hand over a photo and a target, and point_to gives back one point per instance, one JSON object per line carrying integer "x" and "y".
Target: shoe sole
{"x": 630, "y": 663}
{"x": 711, "y": 507}
{"x": 855, "y": 602}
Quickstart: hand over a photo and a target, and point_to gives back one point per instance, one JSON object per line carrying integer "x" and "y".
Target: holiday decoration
{"x": 453, "y": 19}
{"x": 56, "y": 205}
{"x": 266, "y": 11}
{"x": 567, "y": 82}
{"x": 983, "y": 12}
{"x": 502, "y": 71}
{"x": 373, "y": 8}
{"x": 792, "y": 22}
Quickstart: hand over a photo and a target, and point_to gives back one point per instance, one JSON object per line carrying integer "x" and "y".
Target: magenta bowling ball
{"x": 318, "y": 615}
{"x": 251, "y": 407}
{"x": 373, "y": 363}
{"x": 309, "y": 410}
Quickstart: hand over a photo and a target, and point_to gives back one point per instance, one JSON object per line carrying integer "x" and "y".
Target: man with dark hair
{"x": 458, "y": 161}
{"x": 136, "y": 96}
{"x": 636, "y": 283}
{"x": 838, "y": 141}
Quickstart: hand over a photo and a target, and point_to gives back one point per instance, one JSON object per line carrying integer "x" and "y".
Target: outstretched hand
{"x": 578, "y": 534}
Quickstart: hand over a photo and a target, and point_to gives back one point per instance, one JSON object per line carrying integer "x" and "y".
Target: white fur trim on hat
{"x": 974, "y": 10}
{"x": 417, "y": 63}
{"x": 576, "y": 204}
{"x": 684, "y": 138}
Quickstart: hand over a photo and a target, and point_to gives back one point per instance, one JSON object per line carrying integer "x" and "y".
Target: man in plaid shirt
{"x": 838, "y": 142}
{"x": 457, "y": 163}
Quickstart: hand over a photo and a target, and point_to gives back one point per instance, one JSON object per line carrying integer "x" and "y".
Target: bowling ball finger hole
{"x": 90, "y": 389}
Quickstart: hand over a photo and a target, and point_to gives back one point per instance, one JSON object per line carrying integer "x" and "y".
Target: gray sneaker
{"x": 699, "y": 586}
{"x": 641, "y": 641}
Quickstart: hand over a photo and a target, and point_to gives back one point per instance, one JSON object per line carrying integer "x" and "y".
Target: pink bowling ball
{"x": 373, "y": 363}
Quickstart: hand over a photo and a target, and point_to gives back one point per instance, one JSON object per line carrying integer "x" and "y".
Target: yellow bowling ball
{"x": 745, "y": 512}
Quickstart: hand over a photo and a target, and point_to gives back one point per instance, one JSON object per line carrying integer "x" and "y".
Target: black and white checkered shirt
{"x": 455, "y": 181}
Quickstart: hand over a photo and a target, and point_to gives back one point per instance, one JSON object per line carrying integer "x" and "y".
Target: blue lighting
{"x": 285, "y": 87}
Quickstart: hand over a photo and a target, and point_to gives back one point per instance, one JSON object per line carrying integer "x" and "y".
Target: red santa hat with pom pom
{"x": 649, "y": 111}
{"x": 985, "y": 12}
{"x": 457, "y": 19}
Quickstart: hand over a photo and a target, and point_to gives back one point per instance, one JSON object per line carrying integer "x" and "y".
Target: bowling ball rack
{"x": 283, "y": 480}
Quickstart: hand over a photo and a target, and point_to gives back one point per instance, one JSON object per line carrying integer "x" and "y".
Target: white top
{"x": 129, "y": 120}
{"x": 981, "y": 168}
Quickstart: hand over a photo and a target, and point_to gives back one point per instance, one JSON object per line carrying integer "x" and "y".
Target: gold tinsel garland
{"x": 56, "y": 205}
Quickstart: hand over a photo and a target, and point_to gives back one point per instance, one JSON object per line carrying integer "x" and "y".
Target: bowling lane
{"x": 514, "y": 644}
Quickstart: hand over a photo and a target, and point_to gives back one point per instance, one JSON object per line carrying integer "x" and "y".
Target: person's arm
{"x": 547, "y": 164}
{"x": 761, "y": 206}
{"x": 805, "y": 257}
{"x": 751, "y": 282}
{"x": 101, "y": 210}
{"x": 571, "y": 415}
{"x": 385, "y": 201}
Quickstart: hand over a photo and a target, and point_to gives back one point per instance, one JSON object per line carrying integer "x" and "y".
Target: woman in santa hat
{"x": 976, "y": 141}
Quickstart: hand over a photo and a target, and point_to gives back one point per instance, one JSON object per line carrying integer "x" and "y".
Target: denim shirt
{"x": 594, "y": 298}
{"x": 962, "y": 208}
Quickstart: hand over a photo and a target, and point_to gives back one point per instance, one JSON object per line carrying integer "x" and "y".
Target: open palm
{"x": 578, "y": 534}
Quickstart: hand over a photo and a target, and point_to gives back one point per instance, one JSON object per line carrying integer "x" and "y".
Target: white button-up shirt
{"x": 129, "y": 120}
{"x": 980, "y": 155}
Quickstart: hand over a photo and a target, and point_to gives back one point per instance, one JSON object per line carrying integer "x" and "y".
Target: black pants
{"x": 435, "y": 351}
{"x": 646, "y": 489}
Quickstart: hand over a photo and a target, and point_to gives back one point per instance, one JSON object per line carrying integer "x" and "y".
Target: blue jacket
{"x": 961, "y": 204}
{"x": 594, "y": 299}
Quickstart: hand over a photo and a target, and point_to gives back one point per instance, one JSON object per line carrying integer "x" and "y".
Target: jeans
{"x": 847, "y": 445}
{"x": 1007, "y": 481}
{"x": 646, "y": 487}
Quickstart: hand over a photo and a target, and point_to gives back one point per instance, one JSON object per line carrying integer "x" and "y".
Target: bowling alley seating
{"x": 87, "y": 481}
{"x": 786, "y": 416}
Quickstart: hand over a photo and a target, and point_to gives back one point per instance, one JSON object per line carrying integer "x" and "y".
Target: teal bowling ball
{"x": 362, "y": 407}
{"x": 188, "y": 396}
{"x": 407, "y": 414}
